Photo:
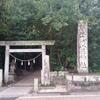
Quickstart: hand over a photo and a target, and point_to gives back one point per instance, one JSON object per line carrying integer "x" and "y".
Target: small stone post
{"x": 68, "y": 86}
{"x": 36, "y": 85}
{"x": 82, "y": 47}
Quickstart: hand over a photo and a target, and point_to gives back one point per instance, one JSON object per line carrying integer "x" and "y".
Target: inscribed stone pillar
{"x": 82, "y": 47}
{"x": 6, "y": 69}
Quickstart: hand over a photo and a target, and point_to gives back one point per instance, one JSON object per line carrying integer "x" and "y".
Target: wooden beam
{"x": 25, "y": 50}
{"x": 26, "y": 43}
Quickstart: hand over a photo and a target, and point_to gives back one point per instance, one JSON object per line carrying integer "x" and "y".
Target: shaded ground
{"x": 21, "y": 88}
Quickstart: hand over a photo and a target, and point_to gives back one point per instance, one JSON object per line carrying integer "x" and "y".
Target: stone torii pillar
{"x": 6, "y": 68}
{"x": 82, "y": 47}
{"x": 43, "y": 63}
{"x": 45, "y": 72}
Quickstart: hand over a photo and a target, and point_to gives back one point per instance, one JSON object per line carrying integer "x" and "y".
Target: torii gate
{"x": 8, "y": 50}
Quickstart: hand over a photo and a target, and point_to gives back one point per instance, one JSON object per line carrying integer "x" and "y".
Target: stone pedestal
{"x": 11, "y": 78}
{"x": 82, "y": 47}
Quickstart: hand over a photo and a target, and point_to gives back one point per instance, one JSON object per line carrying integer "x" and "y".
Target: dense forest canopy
{"x": 53, "y": 20}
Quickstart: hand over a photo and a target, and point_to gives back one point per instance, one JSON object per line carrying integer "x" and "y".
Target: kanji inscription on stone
{"x": 82, "y": 47}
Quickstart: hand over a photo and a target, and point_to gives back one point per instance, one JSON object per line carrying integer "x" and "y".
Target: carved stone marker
{"x": 82, "y": 47}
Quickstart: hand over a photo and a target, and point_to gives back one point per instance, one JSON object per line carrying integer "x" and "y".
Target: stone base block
{"x": 11, "y": 78}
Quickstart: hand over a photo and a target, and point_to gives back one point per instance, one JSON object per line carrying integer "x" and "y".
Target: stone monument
{"x": 82, "y": 47}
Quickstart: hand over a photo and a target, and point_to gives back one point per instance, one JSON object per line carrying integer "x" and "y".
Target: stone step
{"x": 56, "y": 89}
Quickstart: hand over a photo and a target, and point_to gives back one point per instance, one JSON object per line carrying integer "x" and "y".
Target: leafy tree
{"x": 52, "y": 20}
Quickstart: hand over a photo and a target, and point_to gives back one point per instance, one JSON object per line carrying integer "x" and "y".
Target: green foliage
{"x": 53, "y": 20}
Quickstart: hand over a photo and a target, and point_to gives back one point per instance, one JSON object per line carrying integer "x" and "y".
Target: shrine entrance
{"x": 39, "y": 53}
{"x": 25, "y": 63}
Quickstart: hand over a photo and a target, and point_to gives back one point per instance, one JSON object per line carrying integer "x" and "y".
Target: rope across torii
{"x": 25, "y": 60}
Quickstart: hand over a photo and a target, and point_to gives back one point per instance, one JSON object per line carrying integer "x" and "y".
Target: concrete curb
{"x": 61, "y": 97}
